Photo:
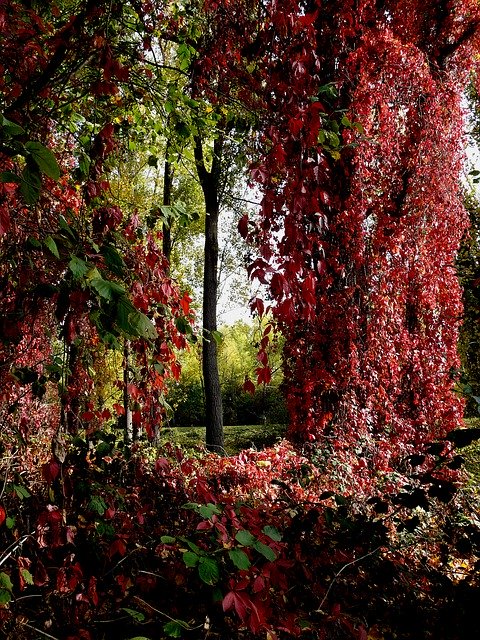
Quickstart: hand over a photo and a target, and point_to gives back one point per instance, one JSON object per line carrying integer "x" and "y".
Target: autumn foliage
{"x": 353, "y": 118}
{"x": 362, "y": 214}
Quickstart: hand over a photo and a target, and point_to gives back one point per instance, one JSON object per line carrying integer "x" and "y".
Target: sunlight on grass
{"x": 236, "y": 438}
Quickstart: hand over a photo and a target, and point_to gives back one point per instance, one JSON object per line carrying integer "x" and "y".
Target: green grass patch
{"x": 236, "y": 438}
{"x": 472, "y": 453}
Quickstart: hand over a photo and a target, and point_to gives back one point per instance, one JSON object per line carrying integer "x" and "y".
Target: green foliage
{"x": 237, "y": 346}
{"x": 6, "y": 588}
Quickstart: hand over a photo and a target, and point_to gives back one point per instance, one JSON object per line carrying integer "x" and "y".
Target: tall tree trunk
{"x": 129, "y": 435}
{"x": 209, "y": 181}
{"x": 167, "y": 201}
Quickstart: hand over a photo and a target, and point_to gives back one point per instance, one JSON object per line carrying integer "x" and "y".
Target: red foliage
{"x": 58, "y": 226}
{"x": 359, "y": 156}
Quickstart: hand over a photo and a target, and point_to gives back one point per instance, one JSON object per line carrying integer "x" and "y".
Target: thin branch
{"x": 42, "y": 633}
{"x": 13, "y": 547}
{"x": 349, "y": 564}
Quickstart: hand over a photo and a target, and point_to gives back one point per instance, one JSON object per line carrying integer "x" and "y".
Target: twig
{"x": 155, "y": 575}
{"x": 319, "y": 610}
{"x": 43, "y": 633}
{"x": 183, "y": 624}
{"x": 31, "y": 595}
{"x": 14, "y": 546}
{"x": 122, "y": 560}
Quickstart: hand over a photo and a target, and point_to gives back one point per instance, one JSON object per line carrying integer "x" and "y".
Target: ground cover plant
{"x": 260, "y": 544}
{"x": 348, "y": 118}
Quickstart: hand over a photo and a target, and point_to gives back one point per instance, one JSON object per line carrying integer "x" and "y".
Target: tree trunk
{"x": 129, "y": 435}
{"x": 167, "y": 201}
{"x": 209, "y": 181}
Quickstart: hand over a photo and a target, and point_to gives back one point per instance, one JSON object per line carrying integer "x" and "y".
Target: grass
{"x": 472, "y": 453}
{"x": 236, "y": 438}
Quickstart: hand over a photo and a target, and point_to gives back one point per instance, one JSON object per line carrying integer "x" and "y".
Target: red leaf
{"x": 117, "y": 546}
{"x": 228, "y": 601}
{"x": 119, "y": 409}
{"x": 264, "y": 375}
{"x": 248, "y": 386}
{"x": 243, "y": 226}
{"x": 3, "y": 515}
{"x": 185, "y": 303}
{"x": 4, "y": 220}
{"x": 50, "y": 471}
{"x": 40, "y": 576}
{"x": 278, "y": 285}
{"x": 258, "y": 305}
{"x": 92, "y": 590}
{"x": 258, "y": 584}
{"x": 237, "y": 601}
{"x": 262, "y": 357}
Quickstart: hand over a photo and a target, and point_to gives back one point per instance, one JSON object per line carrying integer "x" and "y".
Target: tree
{"x": 359, "y": 154}
{"x": 74, "y": 268}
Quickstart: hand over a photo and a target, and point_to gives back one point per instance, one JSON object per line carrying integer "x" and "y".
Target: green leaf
{"x": 152, "y": 161}
{"x": 346, "y": 122}
{"x": 136, "y": 615}
{"x": 44, "y": 159}
{"x": 5, "y": 582}
{"x": 10, "y": 523}
{"x": 194, "y": 547}
{"x": 239, "y": 558}
{"x": 113, "y": 260}
{"x": 217, "y": 594}
{"x": 12, "y": 128}
{"x": 107, "y": 289}
{"x": 9, "y": 176}
{"x": 191, "y": 505}
{"x": 333, "y": 139}
{"x": 30, "y": 185}
{"x": 183, "y": 325}
{"x": 98, "y": 505}
{"x": 168, "y": 539}
{"x": 174, "y": 629}
{"x": 5, "y": 596}
{"x": 21, "y": 491}
{"x": 190, "y": 559}
{"x": 142, "y": 325}
{"x": 208, "y": 570}
{"x": 217, "y": 336}
{"x": 78, "y": 267}
{"x": 133, "y": 322}
{"x": 66, "y": 227}
{"x": 208, "y": 510}
{"x": 52, "y": 245}
{"x": 27, "y": 576}
{"x": 245, "y": 537}
{"x": 265, "y": 550}
{"x": 272, "y": 533}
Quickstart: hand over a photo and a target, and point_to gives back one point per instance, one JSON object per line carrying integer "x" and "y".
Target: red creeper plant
{"x": 359, "y": 151}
